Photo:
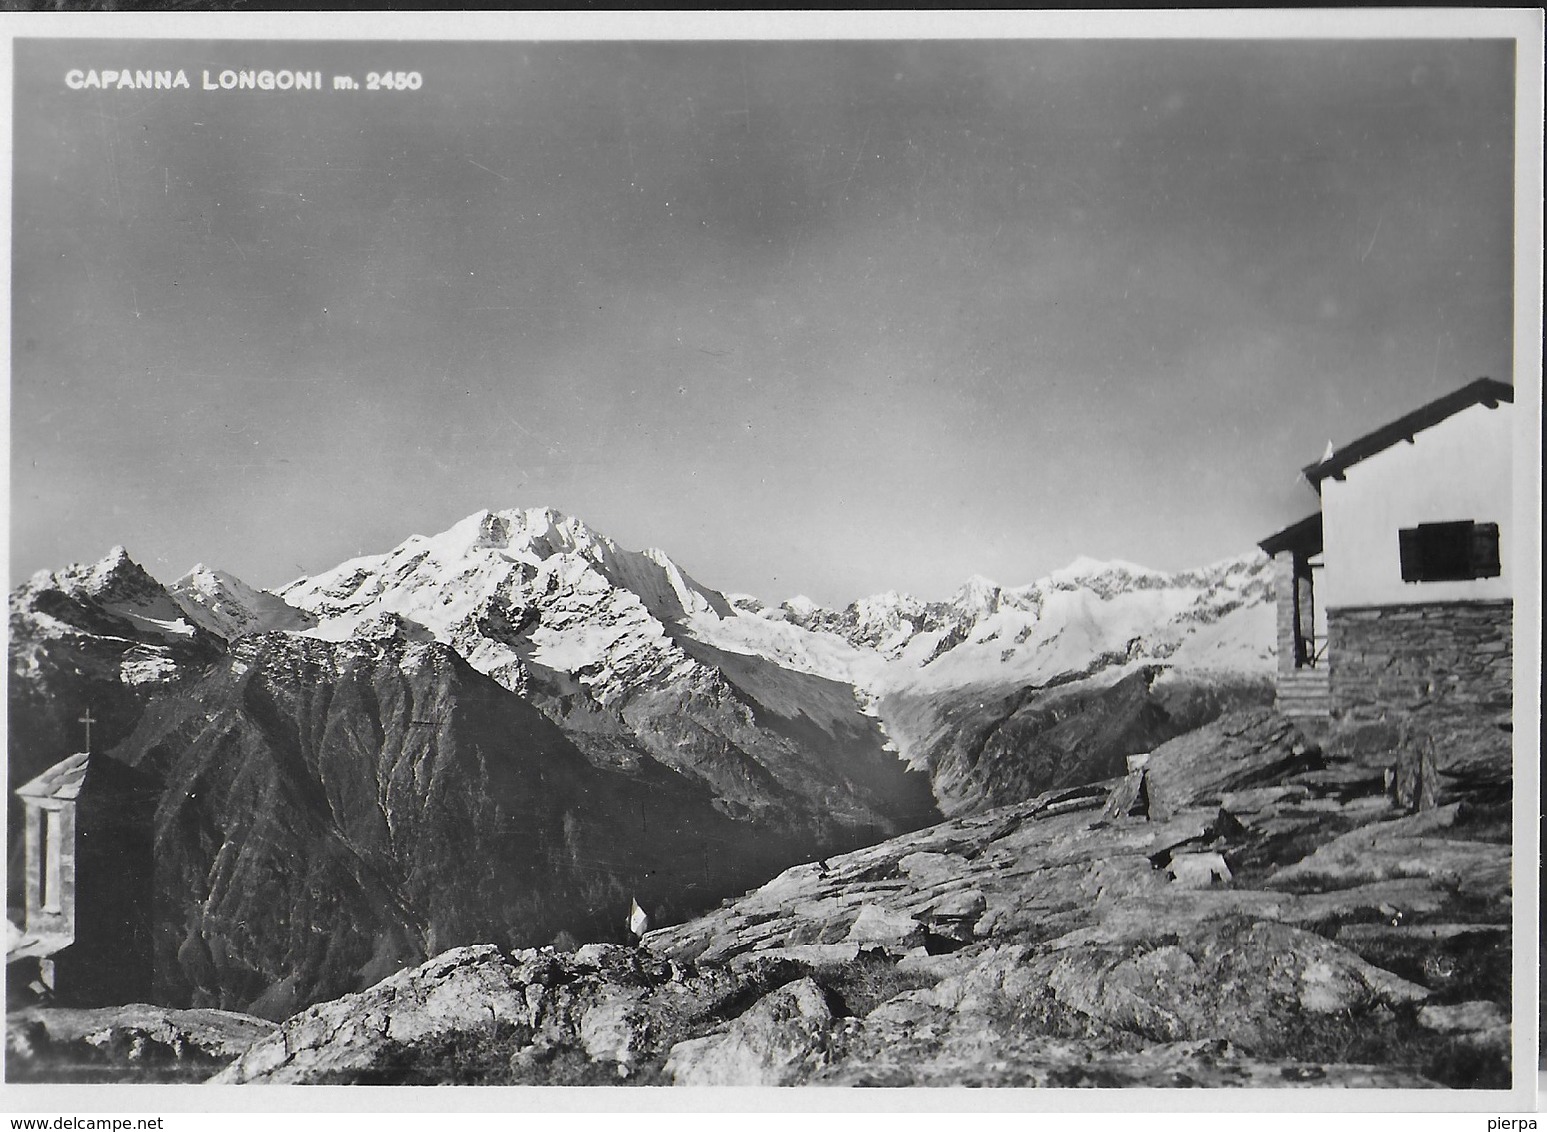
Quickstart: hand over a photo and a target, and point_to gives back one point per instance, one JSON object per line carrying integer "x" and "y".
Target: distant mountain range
{"x": 501, "y": 732}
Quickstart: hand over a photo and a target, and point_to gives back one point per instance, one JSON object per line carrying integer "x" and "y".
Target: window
{"x": 49, "y": 897}
{"x": 1449, "y": 552}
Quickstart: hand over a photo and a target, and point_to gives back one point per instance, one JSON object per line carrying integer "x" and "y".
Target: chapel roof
{"x": 62, "y": 781}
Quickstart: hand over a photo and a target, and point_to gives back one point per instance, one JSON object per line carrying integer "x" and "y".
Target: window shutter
{"x": 1449, "y": 552}
{"x": 1485, "y": 550}
{"x": 1411, "y": 548}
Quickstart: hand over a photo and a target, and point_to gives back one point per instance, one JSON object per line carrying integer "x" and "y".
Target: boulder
{"x": 1235, "y": 752}
{"x": 780, "y": 1040}
{"x": 1251, "y": 984}
{"x": 464, "y": 989}
{"x": 1198, "y": 870}
{"x": 1449, "y": 759}
{"x": 813, "y": 955}
{"x": 1429, "y": 845}
{"x": 987, "y": 1050}
{"x": 876, "y": 925}
{"x": 1130, "y": 797}
{"x": 1367, "y": 742}
{"x": 927, "y": 868}
{"x": 954, "y": 915}
{"x": 616, "y": 1029}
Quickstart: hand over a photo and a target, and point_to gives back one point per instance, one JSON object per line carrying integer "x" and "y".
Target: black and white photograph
{"x": 776, "y": 561}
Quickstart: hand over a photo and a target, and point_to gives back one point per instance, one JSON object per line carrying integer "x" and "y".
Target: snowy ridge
{"x": 526, "y": 591}
{"x": 1085, "y": 616}
{"x": 513, "y": 588}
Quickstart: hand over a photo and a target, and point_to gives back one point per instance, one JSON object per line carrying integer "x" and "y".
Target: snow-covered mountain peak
{"x": 977, "y": 597}
{"x": 545, "y": 528}
{"x": 225, "y": 605}
{"x": 889, "y": 599}
{"x": 1084, "y": 566}
{"x": 1104, "y": 577}
{"x": 885, "y": 612}
{"x": 118, "y": 585}
{"x": 537, "y": 532}
{"x": 800, "y": 606}
{"x": 510, "y": 587}
{"x": 1249, "y": 565}
{"x": 113, "y": 580}
{"x": 1114, "y": 576}
{"x": 116, "y": 558}
{"x": 116, "y": 576}
{"x": 208, "y": 580}
{"x": 552, "y": 543}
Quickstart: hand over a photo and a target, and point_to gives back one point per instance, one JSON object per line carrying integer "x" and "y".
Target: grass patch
{"x": 869, "y": 980}
{"x": 1460, "y": 969}
{"x": 1395, "y": 1041}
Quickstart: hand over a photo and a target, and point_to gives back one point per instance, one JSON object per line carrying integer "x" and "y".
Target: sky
{"x": 828, "y": 318}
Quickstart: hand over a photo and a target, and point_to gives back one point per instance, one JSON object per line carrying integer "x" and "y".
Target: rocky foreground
{"x": 138, "y": 1042}
{"x": 1245, "y": 909}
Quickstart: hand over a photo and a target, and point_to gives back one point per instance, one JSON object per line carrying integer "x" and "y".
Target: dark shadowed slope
{"x": 332, "y": 811}
{"x": 992, "y": 746}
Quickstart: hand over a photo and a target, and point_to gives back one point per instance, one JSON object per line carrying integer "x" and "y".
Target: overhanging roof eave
{"x": 1303, "y": 537}
{"x": 1483, "y": 391}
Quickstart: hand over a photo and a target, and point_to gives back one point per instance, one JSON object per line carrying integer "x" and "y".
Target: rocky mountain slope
{"x": 332, "y": 811}
{"x": 1001, "y": 693}
{"x": 790, "y": 708}
{"x": 348, "y": 762}
{"x": 1246, "y": 909}
{"x": 594, "y": 635}
{"x": 990, "y": 746}
{"x": 104, "y": 637}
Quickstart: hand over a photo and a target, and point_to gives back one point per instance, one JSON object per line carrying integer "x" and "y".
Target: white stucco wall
{"x": 1458, "y": 469}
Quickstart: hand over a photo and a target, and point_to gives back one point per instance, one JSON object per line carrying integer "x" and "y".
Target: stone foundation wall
{"x": 1392, "y": 661}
